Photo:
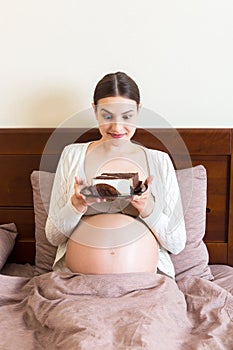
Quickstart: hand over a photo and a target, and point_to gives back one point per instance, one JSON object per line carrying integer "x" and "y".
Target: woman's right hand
{"x": 78, "y": 200}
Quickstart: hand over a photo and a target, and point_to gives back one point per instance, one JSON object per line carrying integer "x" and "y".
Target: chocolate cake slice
{"x": 116, "y": 183}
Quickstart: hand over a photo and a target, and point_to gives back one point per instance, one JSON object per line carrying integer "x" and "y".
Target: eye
{"x": 127, "y": 116}
{"x": 107, "y": 116}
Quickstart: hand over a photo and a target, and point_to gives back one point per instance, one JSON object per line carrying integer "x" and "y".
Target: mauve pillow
{"x": 8, "y": 233}
{"x": 194, "y": 258}
{"x": 42, "y": 183}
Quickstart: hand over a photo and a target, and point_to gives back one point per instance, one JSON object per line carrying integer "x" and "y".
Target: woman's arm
{"x": 166, "y": 220}
{"x": 63, "y": 217}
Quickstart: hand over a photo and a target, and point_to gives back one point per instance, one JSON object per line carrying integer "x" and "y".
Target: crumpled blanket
{"x": 114, "y": 312}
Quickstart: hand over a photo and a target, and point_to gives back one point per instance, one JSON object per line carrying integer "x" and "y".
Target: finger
{"x": 135, "y": 198}
{"x": 149, "y": 179}
{"x": 79, "y": 181}
{"x": 82, "y": 196}
{"x": 79, "y": 184}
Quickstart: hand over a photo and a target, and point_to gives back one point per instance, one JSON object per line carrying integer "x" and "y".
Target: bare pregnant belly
{"x": 125, "y": 245}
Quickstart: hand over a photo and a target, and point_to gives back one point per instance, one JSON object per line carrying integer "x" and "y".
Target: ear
{"x": 95, "y": 109}
{"x": 139, "y": 108}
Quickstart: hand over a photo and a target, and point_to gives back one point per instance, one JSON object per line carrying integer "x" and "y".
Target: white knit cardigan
{"x": 166, "y": 221}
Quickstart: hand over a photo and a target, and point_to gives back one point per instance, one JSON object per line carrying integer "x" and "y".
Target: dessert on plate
{"x": 115, "y": 184}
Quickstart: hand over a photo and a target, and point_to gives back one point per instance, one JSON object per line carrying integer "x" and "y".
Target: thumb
{"x": 149, "y": 180}
{"x": 79, "y": 182}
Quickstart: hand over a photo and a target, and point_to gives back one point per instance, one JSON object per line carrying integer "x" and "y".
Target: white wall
{"x": 53, "y": 52}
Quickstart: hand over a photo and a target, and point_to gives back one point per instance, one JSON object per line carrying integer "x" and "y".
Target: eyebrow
{"x": 105, "y": 110}
{"x": 129, "y": 111}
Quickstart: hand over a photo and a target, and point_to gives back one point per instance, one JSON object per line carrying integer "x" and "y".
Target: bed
{"x": 44, "y": 309}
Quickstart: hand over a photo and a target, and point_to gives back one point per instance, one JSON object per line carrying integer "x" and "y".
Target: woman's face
{"x": 116, "y": 117}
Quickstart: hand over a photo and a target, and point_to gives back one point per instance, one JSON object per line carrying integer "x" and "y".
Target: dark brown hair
{"x": 116, "y": 84}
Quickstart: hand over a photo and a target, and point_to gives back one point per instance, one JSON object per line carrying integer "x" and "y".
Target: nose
{"x": 116, "y": 126}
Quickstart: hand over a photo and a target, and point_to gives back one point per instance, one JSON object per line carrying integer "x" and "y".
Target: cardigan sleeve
{"x": 167, "y": 220}
{"x": 62, "y": 216}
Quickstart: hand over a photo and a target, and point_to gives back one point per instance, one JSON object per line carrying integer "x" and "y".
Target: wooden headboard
{"x": 21, "y": 151}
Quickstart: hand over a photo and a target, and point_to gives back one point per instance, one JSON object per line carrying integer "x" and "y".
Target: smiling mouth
{"x": 117, "y": 136}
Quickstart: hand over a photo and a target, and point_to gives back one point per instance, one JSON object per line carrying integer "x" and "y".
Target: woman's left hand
{"x": 144, "y": 202}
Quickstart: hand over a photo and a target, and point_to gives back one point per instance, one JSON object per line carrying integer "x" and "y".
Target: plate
{"x": 90, "y": 191}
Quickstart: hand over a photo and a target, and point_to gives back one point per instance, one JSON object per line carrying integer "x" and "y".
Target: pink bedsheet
{"x": 125, "y": 311}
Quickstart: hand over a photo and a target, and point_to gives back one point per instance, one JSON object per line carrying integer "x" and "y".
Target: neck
{"x": 115, "y": 147}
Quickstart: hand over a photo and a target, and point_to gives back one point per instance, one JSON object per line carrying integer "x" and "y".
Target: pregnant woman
{"x": 96, "y": 235}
